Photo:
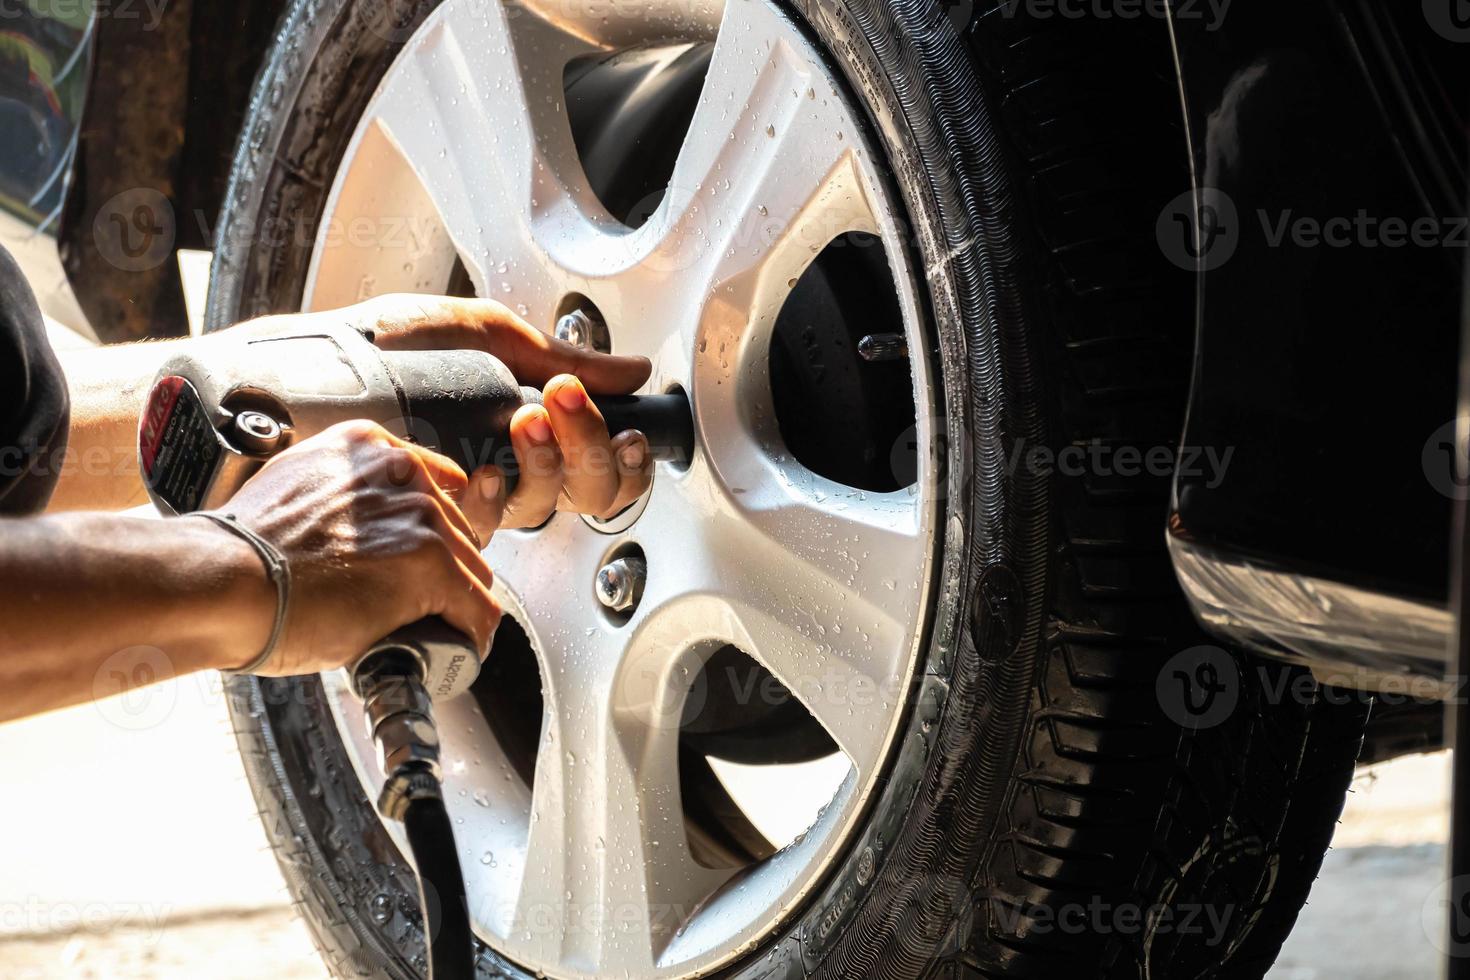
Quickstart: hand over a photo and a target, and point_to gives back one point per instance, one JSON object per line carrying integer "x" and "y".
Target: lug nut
{"x": 574, "y": 328}
{"x": 620, "y": 584}
{"x": 584, "y": 328}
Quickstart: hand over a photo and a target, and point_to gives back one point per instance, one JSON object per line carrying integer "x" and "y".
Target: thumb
{"x": 483, "y": 502}
{"x": 610, "y": 374}
{"x": 603, "y": 374}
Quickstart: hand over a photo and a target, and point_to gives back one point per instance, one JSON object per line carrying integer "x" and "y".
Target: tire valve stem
{"x": 878, "y": 347}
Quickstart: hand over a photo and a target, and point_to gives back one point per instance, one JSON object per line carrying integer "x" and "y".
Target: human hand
{"x": 566, "y": 457}
{"x": 377, "y": 535}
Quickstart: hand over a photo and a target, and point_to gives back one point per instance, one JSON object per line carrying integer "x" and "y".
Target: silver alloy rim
{"x": 465, "y": 151}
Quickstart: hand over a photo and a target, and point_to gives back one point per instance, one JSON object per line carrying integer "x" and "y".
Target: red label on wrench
{"x": 154, "y": 421}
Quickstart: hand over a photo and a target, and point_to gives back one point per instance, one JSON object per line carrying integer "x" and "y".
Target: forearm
{"x": 108, "y": 385}
{"x": 76, "y": 589}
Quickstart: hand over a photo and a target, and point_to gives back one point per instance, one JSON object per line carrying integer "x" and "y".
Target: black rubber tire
{"x": 1038, "y": 773}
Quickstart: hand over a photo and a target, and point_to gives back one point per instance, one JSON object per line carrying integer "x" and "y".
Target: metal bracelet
{"x": 277, "y": 569}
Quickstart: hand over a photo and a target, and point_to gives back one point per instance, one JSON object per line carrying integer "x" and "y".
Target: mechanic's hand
{"x": 566, "y": 456}
{"x": 375, "y": 540}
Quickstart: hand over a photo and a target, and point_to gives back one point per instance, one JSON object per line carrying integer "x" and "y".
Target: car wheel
{"x": 889, "y": 248}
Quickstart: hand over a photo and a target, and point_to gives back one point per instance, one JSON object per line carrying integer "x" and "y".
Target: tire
{"x": 1040, "y": 775}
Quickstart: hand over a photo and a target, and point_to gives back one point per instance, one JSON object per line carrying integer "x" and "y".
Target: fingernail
{"x": 539, "y": 429}
{"x": 571, "y": 397}
{"x": 632, "y": 455}
{"x": 489, "y": 487}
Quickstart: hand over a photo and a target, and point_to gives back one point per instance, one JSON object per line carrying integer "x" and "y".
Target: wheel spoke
{"x": 471, "y": 140}
{"x": 766, "y": 176}
{"x": 822, "y": 593}
{"x": 762, "y": 183}
{"x": 610, "y": 877}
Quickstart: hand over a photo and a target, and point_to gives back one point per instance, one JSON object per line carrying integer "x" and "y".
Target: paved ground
{"x": 1380, "y": 881}
{"x": 98, "y": 884}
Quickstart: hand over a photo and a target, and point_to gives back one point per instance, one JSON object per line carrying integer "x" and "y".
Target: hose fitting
{"x": 400, "y": 720}
{"x": 399, "y": 714}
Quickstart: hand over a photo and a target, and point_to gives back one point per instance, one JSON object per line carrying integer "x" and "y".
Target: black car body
{"x": 1327, "y": 361}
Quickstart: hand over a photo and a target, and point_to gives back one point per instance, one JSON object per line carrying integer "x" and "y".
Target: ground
{"x": 140, "y": 855}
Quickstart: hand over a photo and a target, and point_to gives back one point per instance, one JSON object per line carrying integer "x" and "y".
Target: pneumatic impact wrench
{"x": 213, "y": 418}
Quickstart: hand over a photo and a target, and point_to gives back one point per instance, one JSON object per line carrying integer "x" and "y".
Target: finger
{"x": 408, "y": 470}
{"x": 635, "y": 467}
{"x": 483, "y": 502}
{"x": 445, "y": 472}
{"x": 447, "y": 481}
{"x": 455, "y": 535}
{"x": 404, "y": 322}
{"x": 592, "y": 479}
{"x": 407, "y": 321}
{"x": 440, "y": 469}
{"x": 538, "y": 359}
{"x": 539, "y": 461}
{"x": 467, "y": 605}
{"x": 466, "y": 548}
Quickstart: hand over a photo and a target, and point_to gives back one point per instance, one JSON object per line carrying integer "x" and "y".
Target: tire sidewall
{"x": 907, "y": 871}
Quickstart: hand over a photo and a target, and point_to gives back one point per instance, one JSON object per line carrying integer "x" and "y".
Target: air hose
{"x": 400, "y": 718}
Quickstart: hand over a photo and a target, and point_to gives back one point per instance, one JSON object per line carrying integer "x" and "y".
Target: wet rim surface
{"x": 465, "y": 152}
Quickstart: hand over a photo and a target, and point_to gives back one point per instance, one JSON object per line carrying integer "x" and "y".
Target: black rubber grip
{"x": 664, "y": 419}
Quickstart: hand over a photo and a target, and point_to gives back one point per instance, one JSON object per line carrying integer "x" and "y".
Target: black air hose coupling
{"x": 400, "y": 718}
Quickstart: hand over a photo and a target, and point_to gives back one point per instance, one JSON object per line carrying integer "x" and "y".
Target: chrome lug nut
{"x": 574, "y": 328}
{"x": 585, "y": 329}
{"x": 620, "y": 584}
